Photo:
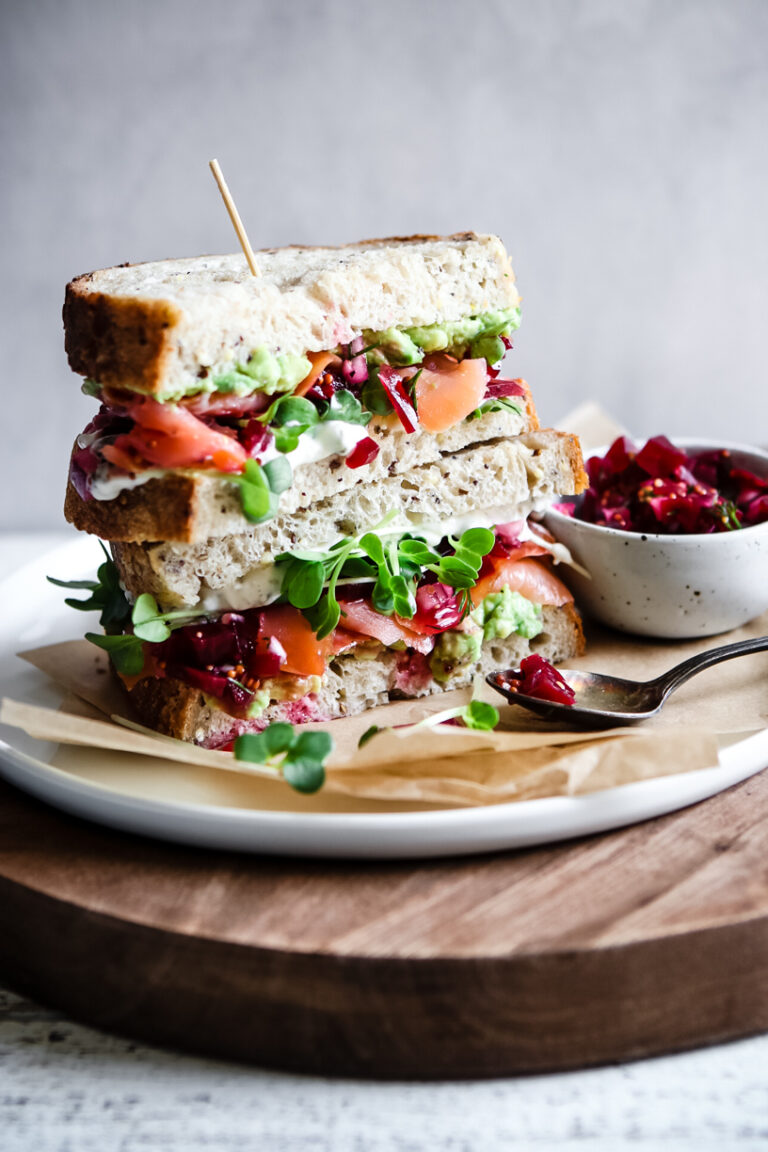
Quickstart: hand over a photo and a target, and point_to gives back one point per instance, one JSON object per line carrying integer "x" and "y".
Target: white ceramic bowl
{"x": 674, "y": 587}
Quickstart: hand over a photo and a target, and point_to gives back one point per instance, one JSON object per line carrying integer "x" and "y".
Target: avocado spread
{"x": 263, "y": 372}
{"x": 274, "y": 372}
{"x": 480, "y": 335}
{"x": 502, "y": 613}
{"x": 453, "y": 652}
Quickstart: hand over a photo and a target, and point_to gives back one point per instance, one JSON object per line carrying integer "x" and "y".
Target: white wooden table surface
{"x": 67, "y": 1088}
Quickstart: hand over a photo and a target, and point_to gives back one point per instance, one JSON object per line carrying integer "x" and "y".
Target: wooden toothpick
{"x": 234, "y": 216}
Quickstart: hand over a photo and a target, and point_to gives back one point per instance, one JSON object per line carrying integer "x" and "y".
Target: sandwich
{"x": 315, "y": 484}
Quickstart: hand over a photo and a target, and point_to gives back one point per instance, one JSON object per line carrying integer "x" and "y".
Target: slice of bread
{"x": 351, "y": 685}
{"x": 189, "y": 506}
{"x": 158, "y": 327}
{"x": 518, "y": 475}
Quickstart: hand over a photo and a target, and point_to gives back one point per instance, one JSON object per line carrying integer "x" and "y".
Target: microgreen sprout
{"x": 298, "y": 756}
{"x": 394, "y": 566}
{"x": 260, "y": 487}
{"x": 106, "y": 596}
{"x": 477, "y": 714}
{"x": 149, "y": 624}
{"x": 497, "y": 404}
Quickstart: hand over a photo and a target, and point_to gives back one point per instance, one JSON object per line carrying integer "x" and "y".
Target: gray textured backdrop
{"x": 620, "y": 147}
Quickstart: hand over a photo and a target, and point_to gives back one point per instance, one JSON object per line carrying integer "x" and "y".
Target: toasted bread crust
{"x": 161, "y": 509}
{"x": 117, "y": 340}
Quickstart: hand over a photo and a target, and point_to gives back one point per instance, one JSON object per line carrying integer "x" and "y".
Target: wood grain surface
{"x": 646, "y": 940}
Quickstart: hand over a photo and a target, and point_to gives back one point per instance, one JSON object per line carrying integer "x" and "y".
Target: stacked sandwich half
{"x": 315, "y": 483}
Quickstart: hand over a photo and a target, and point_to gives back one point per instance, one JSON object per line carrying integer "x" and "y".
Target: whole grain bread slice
{"x": 350, "y": 685}
{"x": 191, "y": 506}
{"x": 510, "y": 478}
{"x": 158, "y": 327}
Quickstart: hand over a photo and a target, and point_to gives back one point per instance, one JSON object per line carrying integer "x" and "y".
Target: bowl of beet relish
{"x": 674, "y": 535}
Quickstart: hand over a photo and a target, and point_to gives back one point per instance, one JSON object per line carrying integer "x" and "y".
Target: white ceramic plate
{"x": 222, "y": 810}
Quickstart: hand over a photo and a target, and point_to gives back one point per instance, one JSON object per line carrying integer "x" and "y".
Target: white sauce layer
{"x": 106, "y": 485}
{"x": 333, "y": 438}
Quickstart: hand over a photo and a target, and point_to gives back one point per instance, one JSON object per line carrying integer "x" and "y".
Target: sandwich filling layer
{"x": 428, "y": 607}
{"x": 271, "y": 415}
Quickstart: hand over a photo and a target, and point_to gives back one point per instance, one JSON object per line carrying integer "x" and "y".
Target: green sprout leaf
{"x": 299, "y": 757}
{"x": 278, "y": 474}
{"x": 345, "y": 406}
{"x": 255, "y": 492}
{"x": 125, "y": 652}
{"x": 305, "y": 583}
{"x": 148, "y": 624}
{"x": 369, "y": 734}
{"x": 477, "y": 714}
{"x": 479, "y": 540}
{"x": 374, "y": 396}
{"x": 499, "y": 404}
{"x": 107, "y": 597}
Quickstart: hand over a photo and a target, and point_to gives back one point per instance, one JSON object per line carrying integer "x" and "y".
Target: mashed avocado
{"x": 502, "y": 613}
{"x": 480, "y": 334}
{"x": 274, "y": 372}
{"x": 258, "y": 704}
{"x": 264, "y": 372}
{"x": 453, "y": 652}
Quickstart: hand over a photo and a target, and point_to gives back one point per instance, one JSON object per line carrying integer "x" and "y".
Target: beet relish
{"x": 226, "y": 658}
{"x": 661, "y": 489}
{"x": 538, "y": 678}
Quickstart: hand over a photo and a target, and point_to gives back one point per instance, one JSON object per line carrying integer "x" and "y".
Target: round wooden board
{"x": 647, "y": 940}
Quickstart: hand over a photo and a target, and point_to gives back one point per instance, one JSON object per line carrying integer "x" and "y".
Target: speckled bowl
{"x": 675, "y": 587}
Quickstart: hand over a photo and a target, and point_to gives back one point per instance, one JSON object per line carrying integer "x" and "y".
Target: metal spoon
{"x": 608, "y": 701}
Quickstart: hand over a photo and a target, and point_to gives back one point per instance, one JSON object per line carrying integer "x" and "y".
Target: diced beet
{"x": 393, "y": 385}
{"x": 498, "y": 388}
{"x": 213, "y": 683}
{"x": 507, "y": 538}
{"x": 660, "y": 489}
{"x": 255, "y": 438}
{"x": 659, "y": 457}
{"x": 362, "y": 453}
{"x": 355, "y": 371}
{"x": 87, "y": 460}
{"x": 538, "y": 678}
{"x": 265, "y": 658}
{"x": 620, "y": 454}
{"x": 199, "y": 645}
{"x": 437, "y": 608}
{"x": 79, "y": 480}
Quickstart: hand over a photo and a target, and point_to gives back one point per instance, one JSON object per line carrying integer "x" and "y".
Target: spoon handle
{"x": 676, "y": 676}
